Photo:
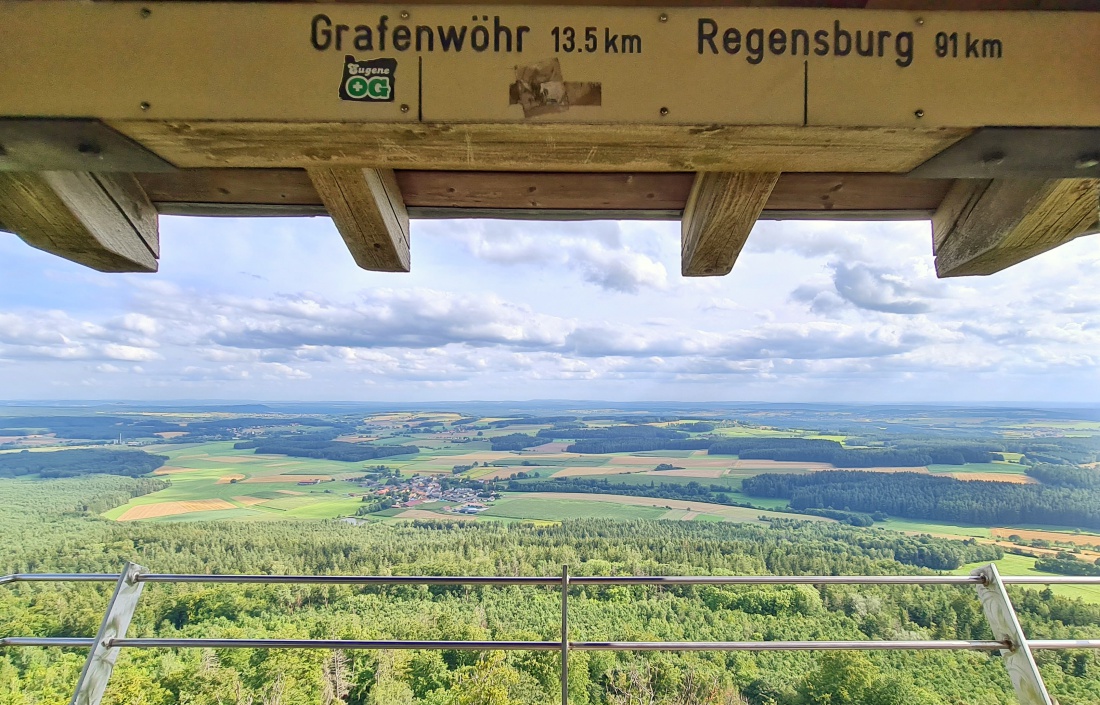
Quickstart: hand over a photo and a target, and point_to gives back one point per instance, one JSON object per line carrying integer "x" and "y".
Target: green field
{"x": 1023, "y": 565}
{"x": 534, "y": 507}
{"x": 266, "y": 487}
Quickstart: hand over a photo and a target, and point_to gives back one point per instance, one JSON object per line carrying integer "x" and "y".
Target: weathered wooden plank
{"x": 986, "y": 225}
{"x": 103, "y": 221}
{"x": 368, "y": 211}
{"x": 290, "y": 187}
{"x": 172, "y": 60}
{"x": 540, "y": 147}
{"x": 822, "y": 194}
{"x": 532, "y": 190}
{"x": 720, "y": 213}
{"x": 244, "y": 192}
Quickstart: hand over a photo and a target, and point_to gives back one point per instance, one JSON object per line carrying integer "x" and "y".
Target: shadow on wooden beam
{"x": 103, "y": 221}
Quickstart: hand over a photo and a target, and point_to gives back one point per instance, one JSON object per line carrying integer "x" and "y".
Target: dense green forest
{"x": 1065, "y": 475}
{"x": 80, "y": 461}
{"x": 310, "y": 447}
{"x": 919, "y": 496}
{"x": 48, "y": 526}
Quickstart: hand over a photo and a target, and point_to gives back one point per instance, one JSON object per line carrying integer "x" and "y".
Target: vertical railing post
{"x": 102, "y": 657}
{"x": 1022, "y": 669}
{"x": 565, "y": 635}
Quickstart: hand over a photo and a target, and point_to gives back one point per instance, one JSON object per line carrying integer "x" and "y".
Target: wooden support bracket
{"x": 370, "y": 214}
{"x": 103, "y": 220}
{"x": 986, "y": 225}
{"x": 720, "y": 212}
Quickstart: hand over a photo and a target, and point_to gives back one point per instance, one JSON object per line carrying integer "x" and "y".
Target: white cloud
{"x": 829, "y": 311}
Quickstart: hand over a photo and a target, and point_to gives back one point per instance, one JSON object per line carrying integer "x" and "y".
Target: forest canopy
{"x": 130, "y": 462}
{"x": 920, "y": 496}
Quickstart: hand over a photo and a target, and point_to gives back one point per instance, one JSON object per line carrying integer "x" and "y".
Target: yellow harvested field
{"x": 289, "y": 492}
{"x": 1078, "y": 539}
{"x": 165, "y": 509}
{"x": 171, "y": 470}
{"x": 779, "y": 465}
{"x": 995, "y": 477}
{"x": 689, "y": 516}
{"x": 356, "y": 439}
{"x": 600, "y": 470}
{"x": 427, "y": 514}
{"x": 249, "y": 501}
{"x": 289, "y": 478}
{"x": 690, "y": 472}
{"x": 226, "y": 479}
{"x": 171, "y": 434}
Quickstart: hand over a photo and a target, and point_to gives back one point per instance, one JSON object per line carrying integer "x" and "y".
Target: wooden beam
{"x": 720, "y": 212}
{"x": 555, "y": 190}
{"x": 103, "y": 221}
{"x": 828, "y": 196}
{"x": 289, "y": 192}
{"x": 986, "y": 225}
{"x": 540, "y": 147}
{"x": 368, "y": 210}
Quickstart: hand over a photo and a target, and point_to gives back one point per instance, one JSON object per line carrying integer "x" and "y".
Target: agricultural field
{"x": 211, "y": 480}
{"x": 1024, "y": 565}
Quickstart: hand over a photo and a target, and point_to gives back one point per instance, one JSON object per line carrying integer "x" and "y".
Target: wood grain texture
{"x": 720, "y": 213}
{"x": 839, "y": 193}
{"x": 366, "y": 206}
{"x": 540, "y": 147}
{"x": 591, "y": 191}
{"x": 251, "y": 186}
{"x": 986, "y": 225}
{"x": 103, "y": 221}
{"x": 247, "y": 192}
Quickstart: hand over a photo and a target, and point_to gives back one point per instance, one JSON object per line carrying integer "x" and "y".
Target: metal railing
{"x": 111, "y": 638}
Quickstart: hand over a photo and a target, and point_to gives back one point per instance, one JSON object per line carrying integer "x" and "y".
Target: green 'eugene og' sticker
{"x": 370, "y": 81}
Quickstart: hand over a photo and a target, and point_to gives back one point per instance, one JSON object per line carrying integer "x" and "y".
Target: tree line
{"x": 42, "y": 537}
{"x": 327, "y": 450}
{"x": 130, "y": 462}
{"x": 920, "y": 496}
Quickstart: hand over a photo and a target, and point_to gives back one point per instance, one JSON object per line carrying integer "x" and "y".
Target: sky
{"x": 275, "y": 309}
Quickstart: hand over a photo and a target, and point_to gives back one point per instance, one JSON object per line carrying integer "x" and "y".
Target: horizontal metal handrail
{"x": 335, "y": 644}
{"x": 594, "y": 580}
{"x": 1064, "y": 643}
{"x": 348, "y": 579}
{"x": 910, "y": 645}
{"x": 59, "y": 578}
{"x": 1011, "y": 641}
{"x": 76, "y": 642}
